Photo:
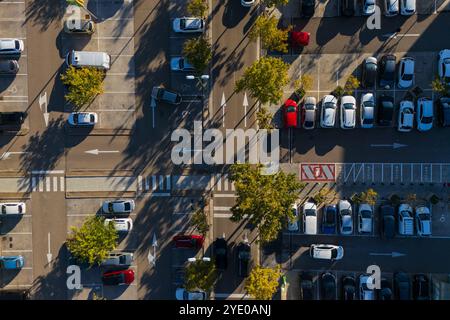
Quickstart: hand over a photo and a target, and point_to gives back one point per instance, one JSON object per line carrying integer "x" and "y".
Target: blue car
{"x": 11, "y": 262}
{"x": 329, "y": 219}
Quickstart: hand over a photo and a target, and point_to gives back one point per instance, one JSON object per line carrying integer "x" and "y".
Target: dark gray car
{"x": 387, "y": 71}
{"x": 165, "y": 95}
{"x": 369, "y": 72}
{"x": 9, "y": 66}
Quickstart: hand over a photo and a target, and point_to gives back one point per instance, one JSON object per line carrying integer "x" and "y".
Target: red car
{"x": 299, "y": 38}
{"x": 188, "y": 241}
{"x": 290, "y": 114}
{"x": 117, "y": 278}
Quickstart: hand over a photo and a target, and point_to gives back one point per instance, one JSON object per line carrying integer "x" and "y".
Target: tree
{"x": 275, "y": 3}
{"x": 264, "y": 118}
{"x": 262, "y": 283}
{"x": 303, "y": 85}
{"x": 198, "y": 8}
{"x": 369, "y": 197}
{"x": 272, "y": 38}
{"x": 439, "y": 87}
{"x": 199, "y": 221}
{"x": 411, "y": 198}
{"x": 351, "y": 85}
{"x": 201, "y": 275}
{"x": 92, "y": 242}
{"x": 198, "y": 52}
{"x": 84, "y": 84}
{"x": 395, "y": 200}
{"x": 265, "y": 79}
{"x": 265, "y": 199}
{"x": 320, "y": 197}
{"x": 338, "y": 92}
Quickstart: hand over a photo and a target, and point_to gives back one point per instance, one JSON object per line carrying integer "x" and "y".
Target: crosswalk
{"x": 155, "y": 183}
{"x": 222, "y": 183}
{"x": 41, "y": 183}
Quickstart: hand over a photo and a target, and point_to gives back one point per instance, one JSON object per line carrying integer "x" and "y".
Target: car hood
{"x": 329, "y": 116}
{"x": 347, "y": 221}
{"x": 349, "y": 117}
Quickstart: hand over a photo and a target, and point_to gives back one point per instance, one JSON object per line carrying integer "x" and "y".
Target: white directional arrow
{"x": 97, "y": 152}
{"x": 6, "y": 155}
{"x": 391, "y": 254}
{"x": 245, "y": 105}
{"x": 49, "y": 254}
{"x": 389, "y": 145}
{"x": 223, "y": 104}
{"x": 43, "y": 106}
{"x": 394, "y": 35}
{"x": 153, "y": 106}
{"x": 152, "y": 257}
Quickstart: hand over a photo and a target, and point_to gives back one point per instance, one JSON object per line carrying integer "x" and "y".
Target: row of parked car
{"x": 340, "y": 217}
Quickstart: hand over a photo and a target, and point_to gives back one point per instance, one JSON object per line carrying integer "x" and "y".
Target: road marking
{"x": 62, "y": 183}
{"x": 47, "y": 184}
{"x": 147, "y": 183}
{"x": 245, "y": 104}
{"x": 224, "y": 195}
{"x": 223, "y": 104}
{"x": 225, "y": 180}
{"x": 97, "y": 152}
{"x": 222, "y": 215}
{"x": 168, "y": 182}
{"x": 219, "y": 182}
{"x": 222, "y": 208}
{"x": 41, "y": 185}
{"x": 139, "y": 186}
{"x": 47, "y": 172}
{"x": 33, "y": 184}
{"x": 55, "y": 184}
{"x": 154, "y": 183}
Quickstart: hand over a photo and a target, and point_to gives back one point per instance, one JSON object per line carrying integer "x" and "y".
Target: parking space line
{"x": 147, "y": 183}
{"x": 33, "y": 184}
{"x": 41, "y": 185}
{"x": 139, "y": 186}
{"x": 225, "y": 180}
{"x": 47, "y": 184}
{"x": 168, "y": 182}
{"x": 154, "y": 183}
{"x": 392, "y": 173}
{"x": 18, "y": 250}
{"x": 219, "y": 182}
{"x": 161, "y": 182}
{"x": 62, "y": 182}
{"x": 55, "y": 184}
{"x": 224, "y": 195}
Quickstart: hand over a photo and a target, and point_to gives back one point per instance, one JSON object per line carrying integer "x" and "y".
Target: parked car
{"x": 309, "y": 113}
{"x": 118, "y": 206}
{"x": 385, "y": 293}
{"x": 9, "y": 66}
{"x": 310, "y": 218}
{"x": 82, "y": 118}
{"x": 328, "y": 286}
{"x": 299, "y": 39}
{"x": 444, "y": 66}
{"x": 421, "y": 287}
{"x": 385, "y": 110}
{"x": 388, "y": 221}
{"x": 329, "y": 219}
{"x": 405, "y": 220}
{"x": 293, "y": 224}
{"x": 13, "y": 208}
{"x": 118, "y": 259}
{"x": 79, "y": 26}
{"x": 402, "y": 286}
{"x": 308, "y": 8}
{"x": 348, "y": 112}
{"x": 328, "y": 114}
{"x": 180, "y": 64}
{"x": 391, "y": 7}
{"x": 290, "y": 111}
{"x": 121, "y": 225}
{"x": 348, "y": 8}
{"x": 165, "y": 95}
{"x": 348, "y": 288}
{"x": 367, "y": 110}
{"x": 406, "y": 116}
{"x": 368, "y": 7}
{"x": 364, "y": 292}
{"x": 408, "y": 7}
{"x": 423, "y": 221}
{"x": 11, "y": 46}
{"x": 11, "y": 262}
{"x": 306, "y": 286}
{"x": 369, "y": 70}
{"x": 248, "y": 3}
{"x": 188, "y": 24}
{"x": 188, "y": 241}
{"x": 244, "y": 257}
{"x": 183, "y": 294}
{"x": 388, "y": 64}
{"x": 406, "y": 72}
{"x": 11, "y": 118}
{"x": 424, "y": 114}
{"x": 326, "y": 252}
{"x": 221, "y": 254}
{"x": 365, "y": 218}
{"x": 345, "y": 217}
{"x": 443, "y": 111}
{"x": 117, "y": 278}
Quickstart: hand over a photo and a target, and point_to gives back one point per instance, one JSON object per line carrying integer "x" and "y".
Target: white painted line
{"x": 222, "y": 215}
{"x": 154, "y": 183}
{"x": 41, "y": 185}
{"x": 168, "y": 182}
{"x": 47, "y": 172}
{"x": 233, "y": 188}
{"x": 19, "y": 233}
{"x": 412, "y": 168}
{"x": 147, "y": 183}
{"x": 139, "y": 186}
{"x": 121, "y": 74}
{"x": 161, "y": 182}
{"x": 219, "y": 182}
{"x": 62, "y": 183}
{"x": 47, "y": 184}
{"x": 224, "y": 195}
{"x": 225, "y": 182}
{"x": 231, "y": 295}
{"x": 222, "y": 208}
{"x": 55, "y": 184}
{"x": 2, "y": 101}
{"x": 421, "y": 172}
{"x": 17, "y": 250}
{"x": 160, "y": 194}
{"x": 318, "y": 79}
{"x": 181, "y": 213}
{"x": 33, "y": 184}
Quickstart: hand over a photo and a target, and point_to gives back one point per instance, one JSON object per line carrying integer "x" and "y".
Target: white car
{"x": 365, "y": 218}
{"x": 309, "y": 113}
{"x": 444, "y": 66}
{"x": 424, "y": 114}
{"x": 391, "y": 7}
{"x": 188, "y": 24}
{"x": 368, "y": 7}
{"x": 121, "y": 225}
{"x": 82, "y": 118}
{"x": 408, "y": 7}
{"x": 364, "y": 292}
{"x": 328, "y": 114}
{"x": 406, "y": 72}
{"x": 293, "y": 224}
{"x": 13, "y": 208}
{"x": 11, "y": 46}
{"x": 423, "y": 221}
{"x": 180, "y": 64}
{"x": 248, "y": 3}
{"x": 326, "y": 251}
{"x": 183, "y": 294}
{"x": 348, "y": 112}
{"x": 345, "y": 214}
{"x": 367, "y": 110}
{"x": 118, "y": 206}
{"x": 310, "y": 218}
{"x": 406, "y": 116}
{"x": 118, "y": 259}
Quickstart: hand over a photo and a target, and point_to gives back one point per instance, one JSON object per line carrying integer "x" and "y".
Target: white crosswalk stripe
{"x": 222, "y": 182}
{"x": 155, "y": 183}
{"x": 42, "y": 183}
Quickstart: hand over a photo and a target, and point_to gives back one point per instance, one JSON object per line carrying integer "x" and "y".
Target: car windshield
{"x": 329, "y": 105}
{"x": 334, "y": 253}
{"x": 366, "y": 214}
{"x": 291, "y": 109}
{"x": 310, "y": 212}
{"x": 17, "y": 44}
{"x": 407, "y": 77}
{"x": 309, "y": 106}
{"x": 75, "y": 117}
{"x": 427, "y": 120}
{"x": 424, "y": 217}
{"x": 348, "y": 106}
{"x": 244, "y": 255}
{"x": 347, "y": 228}
{"x": 127, "y": 206}
{"x": 345, "y": 212}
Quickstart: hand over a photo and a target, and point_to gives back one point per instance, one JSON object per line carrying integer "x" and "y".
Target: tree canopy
{"x": 198, "y": 52}
{"x": 262, "y": 283}
{"x": 272, "y": 38}
{"x": 200, "y": 275}
{"x": 198, "y": 8}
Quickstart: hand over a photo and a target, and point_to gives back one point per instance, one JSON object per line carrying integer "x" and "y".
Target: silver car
{"x": 391, "y": 7}
{"x": 348, "y": 112}
{"x": 118, "y": 259}
{"x": 328, "y": 114}
{"x": 367, "y": 110}
{"x": 309, "y": 113}
{"x": 368, "y": 7}
{"x": 188, "y": 24}
{"x": 9, "y": 66}
{"x": 408, "y": 7}
{"x": 118, "y": 206}
{"x": 11, "y": 46}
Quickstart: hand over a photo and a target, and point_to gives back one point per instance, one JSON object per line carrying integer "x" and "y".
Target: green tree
{"x": 198, "y": 8}
{"x": 200, "y": 275}
{"x": 395, "y": 200}
{"x": 262, "y": 283}
{"x": 199, "y": 221}
{"x": 264, "y": 118}
{"x": 265, "y": 79}
{"x": 198, "y": 52}
{"x": 303, "y": 85}
{"x": 84, "y": 84}
{"x": 321, "y": 196}
{"x": 272, "y": 38}
{"x": 369, "y": 197}
{"x": 439, "y": 87}
{"x": 265, "y": 199}
{"x": 275, "y": 3}
{"x": 351, "y": 85}
{"x": 411, "y": 198}
{"x": 92, "y": 242}
{"x": 338, "y": 92}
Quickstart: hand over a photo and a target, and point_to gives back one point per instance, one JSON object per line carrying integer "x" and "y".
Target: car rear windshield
{"x": 367, "y": 121}
{"x": 407, "y": 77}
{"x": 427, "y": 120}
{"x": 348, "y": 106}
{"x": 334, "y": 253}
{"x": 310, "y": 212}
{"x": 291, "y": 109}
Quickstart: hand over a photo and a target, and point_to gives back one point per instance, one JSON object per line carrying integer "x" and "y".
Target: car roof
{"x": 7, "y": 44}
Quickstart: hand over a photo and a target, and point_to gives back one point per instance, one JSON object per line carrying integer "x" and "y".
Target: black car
{"x": 385, "y": 110}
{"x": 421, "y": 287}
{"x": 387, "y": 71}
{"x": 348, "y": 288}
{"x": 328, "y": 287}
{"x": 329, "y": 219}
{"x": 385, "y": 292}
{"x": 388, "y": 221}
{"x": 306, "y": 287}
{"x": 402, "y": 286}
{"x": 308, "y": 8}
{"x": 443, "y": 108}
{"x": 348, "y": 8}
{"x": 11, "y": 118}
{"x": 369, "y": 72}
{"x": 244, "y": 256}
{"x": 220, "y": 252}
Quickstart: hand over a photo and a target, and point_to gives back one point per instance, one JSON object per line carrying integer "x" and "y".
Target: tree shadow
{"x": 44, "y": 12}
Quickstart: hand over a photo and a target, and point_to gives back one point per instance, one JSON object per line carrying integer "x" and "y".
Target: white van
{"x": 79, "y": 59}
